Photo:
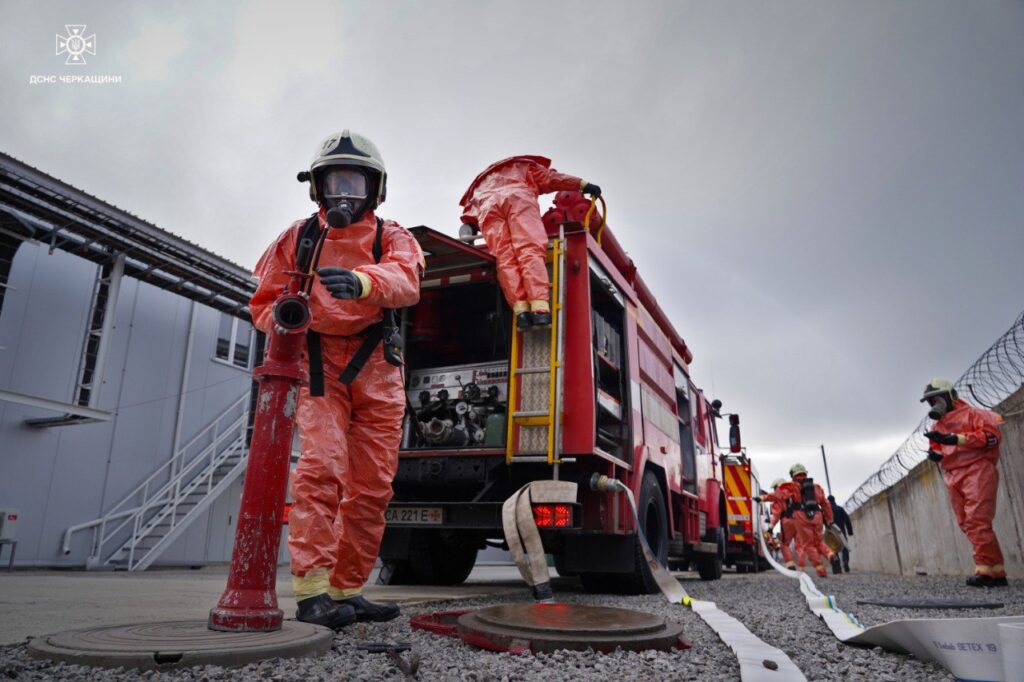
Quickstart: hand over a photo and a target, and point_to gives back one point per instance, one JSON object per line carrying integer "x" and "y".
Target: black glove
{"x": 942, "y": 438}
{"x": 933, "y": 456}
{"x": 592, "y": 189}
{"x": 340, "y": 282}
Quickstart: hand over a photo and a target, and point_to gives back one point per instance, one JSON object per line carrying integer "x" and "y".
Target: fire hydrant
{"x": 249, "y": 603}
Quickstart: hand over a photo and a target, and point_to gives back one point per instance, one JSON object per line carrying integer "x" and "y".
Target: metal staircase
{"x": 535, "y": 388}
{"x": 154, "y": 514}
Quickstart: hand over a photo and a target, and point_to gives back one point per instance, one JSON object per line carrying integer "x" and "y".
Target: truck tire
{"x": 435, "y": 559}
{"x": 654, "y": 522}
{"x": 710, "y": 567}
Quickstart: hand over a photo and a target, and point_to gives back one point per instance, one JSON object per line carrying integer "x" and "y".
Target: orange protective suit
{"x": 502, "y": 201}
{"x": 780, "y": 500}
{"x": 972, "y": 478}
{"x": 809, "y": 529}
{"x": 349, "y": 437}
{"x": 796, "y": 555}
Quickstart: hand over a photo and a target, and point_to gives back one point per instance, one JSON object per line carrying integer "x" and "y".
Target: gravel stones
{"x": 770, "y": 605}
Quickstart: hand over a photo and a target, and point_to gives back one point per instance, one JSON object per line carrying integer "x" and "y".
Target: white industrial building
{"x": 125, "y": 358}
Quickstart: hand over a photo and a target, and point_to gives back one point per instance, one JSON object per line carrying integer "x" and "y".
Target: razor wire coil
{"x": 993, "y": 377}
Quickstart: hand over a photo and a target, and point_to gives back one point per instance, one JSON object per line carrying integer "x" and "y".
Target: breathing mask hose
{"x": 340, "y": 215}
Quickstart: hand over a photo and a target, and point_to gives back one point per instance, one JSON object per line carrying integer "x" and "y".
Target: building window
{"x": 234, "y": 341}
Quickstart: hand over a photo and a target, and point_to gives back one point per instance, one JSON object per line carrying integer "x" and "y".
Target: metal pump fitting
{"x": 603, "y": 484}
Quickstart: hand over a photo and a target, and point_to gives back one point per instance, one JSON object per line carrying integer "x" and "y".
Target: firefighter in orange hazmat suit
{"x": 811, "y": 507}
{"x": 965, "y": 442}
{"x": 502, "y": 202}
{"x": 782, "y": 510}
{"x": 349, "y": 417}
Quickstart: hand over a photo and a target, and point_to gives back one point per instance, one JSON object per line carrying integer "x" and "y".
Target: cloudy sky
{"x": 827, "y": 197}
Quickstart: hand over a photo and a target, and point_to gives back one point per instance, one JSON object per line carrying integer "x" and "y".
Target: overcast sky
{"x": 826, "y": 197}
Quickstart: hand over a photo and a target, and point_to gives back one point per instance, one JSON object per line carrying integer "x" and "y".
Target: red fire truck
{"x": 606, "y": 389}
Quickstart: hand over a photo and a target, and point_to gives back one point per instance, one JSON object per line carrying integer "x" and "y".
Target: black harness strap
{"x": 315, "y": 355}
{"x": 373, "y": 334}
{"x": 314, "y": 351}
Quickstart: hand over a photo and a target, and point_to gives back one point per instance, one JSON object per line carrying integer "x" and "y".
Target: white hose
{"x": 970, "y": 648}
{"x": 759, "y": 661}
{"x": 522, "y": 535}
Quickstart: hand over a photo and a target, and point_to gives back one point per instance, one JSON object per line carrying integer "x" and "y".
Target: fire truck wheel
{"x": 654, "y": 522}
{"x": 710, "y": 568}
{"x": 437, "y": 559}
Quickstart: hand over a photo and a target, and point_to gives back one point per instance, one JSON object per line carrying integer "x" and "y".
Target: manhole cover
{"x": 178, "y": 644}
{"x": 547, "y": 627}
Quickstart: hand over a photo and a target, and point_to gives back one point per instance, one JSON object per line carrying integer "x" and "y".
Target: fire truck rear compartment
{"x": 457, "y": 368}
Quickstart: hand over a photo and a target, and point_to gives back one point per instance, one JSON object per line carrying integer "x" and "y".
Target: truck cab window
{"x": 683, "y": 416}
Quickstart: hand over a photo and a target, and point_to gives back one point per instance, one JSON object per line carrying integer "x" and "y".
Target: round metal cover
{"x": 547, "y": 627}
{"x": 178, "y": 644}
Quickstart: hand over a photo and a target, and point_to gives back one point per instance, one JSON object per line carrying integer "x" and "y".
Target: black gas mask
{"x": 345, "y": 192}
{"x": 940, "y": 405}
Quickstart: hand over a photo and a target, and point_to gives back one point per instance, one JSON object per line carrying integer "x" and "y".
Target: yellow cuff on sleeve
{"x": 366, "y": 282}
{"x": 960, "y": 439}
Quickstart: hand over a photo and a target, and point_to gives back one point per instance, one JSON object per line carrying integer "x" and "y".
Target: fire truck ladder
{"x": 535, "y": 400}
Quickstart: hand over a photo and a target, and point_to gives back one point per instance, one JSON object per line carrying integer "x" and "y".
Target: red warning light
{"x": 552, "y": 515}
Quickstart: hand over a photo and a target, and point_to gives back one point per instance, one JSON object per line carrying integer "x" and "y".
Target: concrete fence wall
{"x": 911, "y": 528}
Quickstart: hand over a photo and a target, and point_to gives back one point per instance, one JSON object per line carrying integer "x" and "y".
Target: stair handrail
{"x": 164, "y": 495}
{"x": 141, "y": 531}
{"x": 119, "y": 510}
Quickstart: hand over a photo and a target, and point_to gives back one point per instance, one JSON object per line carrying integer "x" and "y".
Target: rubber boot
{"x": 322, "y": 610}
{"x": 367, "y": 610}
{"x": 981, "y": 580}
{"x": 541, "y": 318}
{"x": 524, "y": 321}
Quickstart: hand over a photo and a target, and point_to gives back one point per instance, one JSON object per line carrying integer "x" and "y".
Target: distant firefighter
{"x": 845, "y": 527}
{"x": 502, "y": 202}
{"x": 965, "y": 442}
{"x": 781, "y": 499}
{"x": 812, "y": 512}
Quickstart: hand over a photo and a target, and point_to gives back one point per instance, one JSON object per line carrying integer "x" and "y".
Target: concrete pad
{"x": 36, "y": 603}
{"x": 178, "y": 644}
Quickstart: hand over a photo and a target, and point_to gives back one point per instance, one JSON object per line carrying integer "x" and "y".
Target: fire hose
{"x": 759, "y": 661}
{"x": 970, "y": 648}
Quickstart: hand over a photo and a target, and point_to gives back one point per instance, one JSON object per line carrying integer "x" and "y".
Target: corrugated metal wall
{"x": 60, "y": 476}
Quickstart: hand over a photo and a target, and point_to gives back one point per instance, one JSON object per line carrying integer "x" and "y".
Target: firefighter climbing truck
{"x": 606, "y": 389}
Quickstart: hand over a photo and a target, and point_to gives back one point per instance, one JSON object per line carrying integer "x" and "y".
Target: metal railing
{"x": 189, "y": 478}
{"x": 993, "y": 377}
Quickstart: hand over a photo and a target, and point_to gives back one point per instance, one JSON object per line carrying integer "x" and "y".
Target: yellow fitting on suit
{"x": 309, "y": 585}
{"x": 343, "y": 592}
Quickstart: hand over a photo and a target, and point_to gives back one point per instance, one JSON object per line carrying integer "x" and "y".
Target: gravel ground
{"x": 769, "y": 604}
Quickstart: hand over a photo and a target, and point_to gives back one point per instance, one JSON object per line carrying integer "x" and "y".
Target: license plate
{"x": 423, "y": 516}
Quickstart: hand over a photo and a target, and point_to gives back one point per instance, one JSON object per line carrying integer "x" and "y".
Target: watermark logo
{"x": 75, "y": 44}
